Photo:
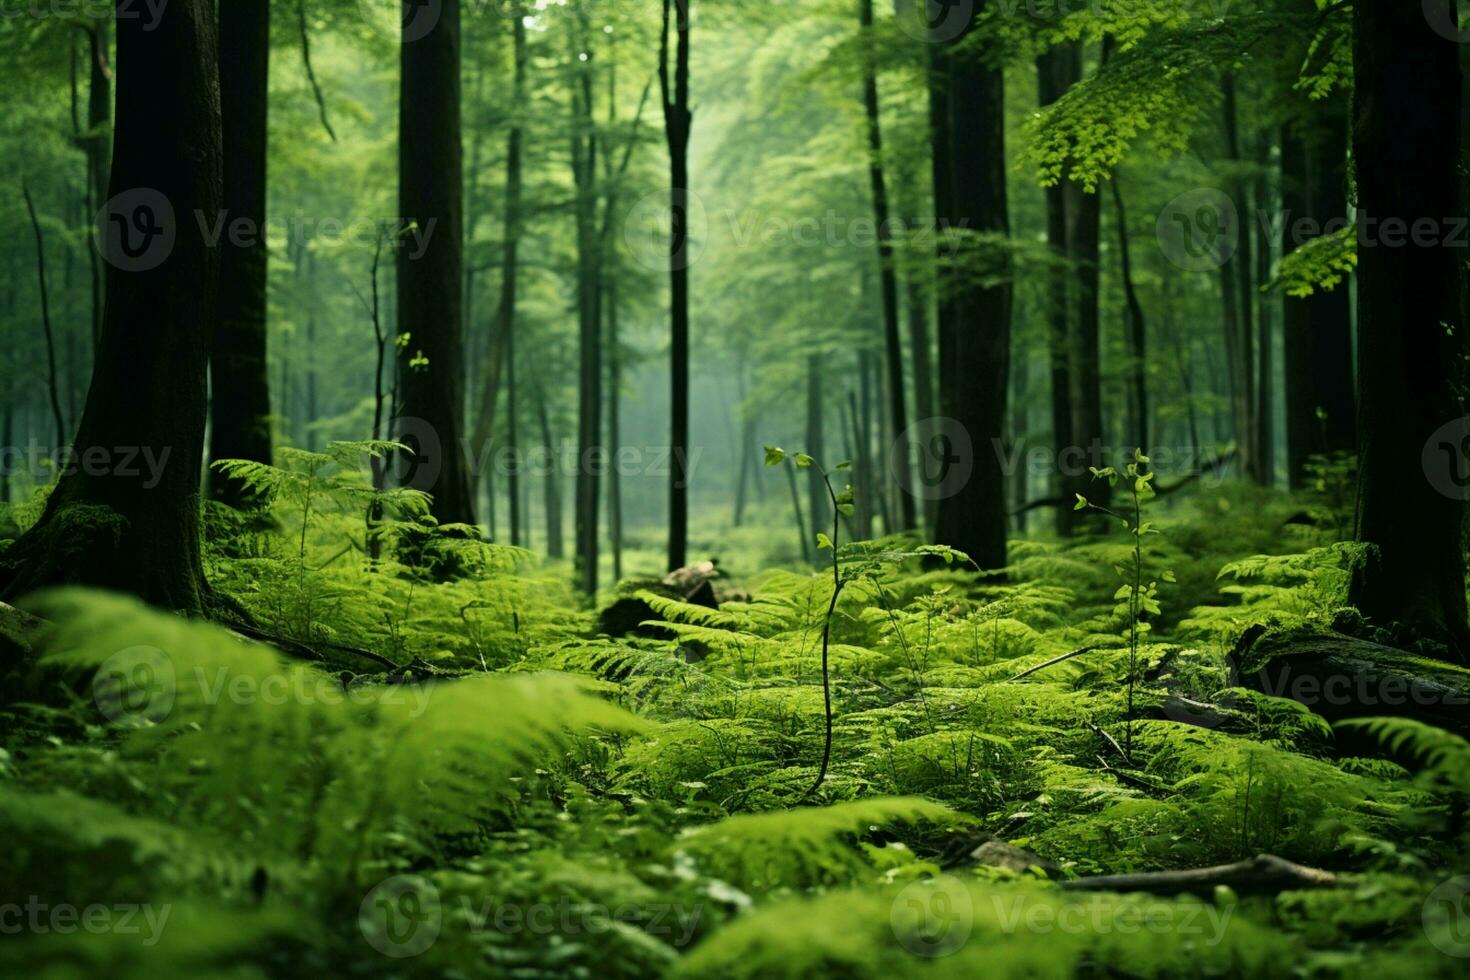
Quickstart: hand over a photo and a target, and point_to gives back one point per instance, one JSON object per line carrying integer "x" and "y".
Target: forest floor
{"x": 524, "y": 795}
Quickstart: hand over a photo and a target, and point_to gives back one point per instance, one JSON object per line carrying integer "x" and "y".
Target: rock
{"x": 996, "y": 853}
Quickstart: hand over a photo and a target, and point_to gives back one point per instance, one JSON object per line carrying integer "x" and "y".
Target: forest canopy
{"x": 518, "y": 488}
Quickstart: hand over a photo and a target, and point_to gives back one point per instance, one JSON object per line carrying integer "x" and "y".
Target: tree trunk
{"x": 590, "y": 452}
{"x": 95, "y": 146}
{"x": 551, "y": 487}
{"x": 240, "y": 404}
{"x": 1135, "y": 333}
{"x": 1406, "y": 145}
{"x": 897, "y": 459}
{"x": 973, "y": 518}
{"x": 1265, "y": 348}
{"x": 1084, "y": 220}
{"x": 430, "y": 195}
{"x": 1236, "y": 296}
{"x": 138, "y": 524}
{"x": 1318, "y": 328}
{"x": 818, "y": 505}
{"x": 614, "y": 430}
{"x": 678, "y": 120}
{"x": 1056, "y": 71}
{"x": 498, "y": 355}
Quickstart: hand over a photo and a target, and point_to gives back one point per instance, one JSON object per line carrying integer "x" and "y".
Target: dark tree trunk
{"x": 95, "y": 143}
{"x": 1265, "y": 348}
{"x": 678, "y": 120}
{"x": 551, "y": 487}
{"x": 1056, "y": 71}
{"x": 1317, "y": 330}
{"x": 135, "y": 528}
{"x": 590, "y": 453}
{"x": 1236, "y": 296}
{"x": 1084, "y": 223}
{"x": 1406, "y": 146}
{"x": 818, "y": 505}
{"x": 240, "y": 404}
{"x": 519, "y": 531}
{"x": 1135, "y": 333}
{"x": 973, "y": 518}
{"x": 614, "y": 430}
{"x": 430, "y": 195}
{"x": 497, "y": 360}
{"x": 897, "y": 459}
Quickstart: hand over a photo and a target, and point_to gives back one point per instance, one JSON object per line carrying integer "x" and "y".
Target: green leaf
{"x": 824, "y": 543}
{"x": 1081, "y": 503}
{"x": 775, "y": 456}
{"x": 803, "y": 461}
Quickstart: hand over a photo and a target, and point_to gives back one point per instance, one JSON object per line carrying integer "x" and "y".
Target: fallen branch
{"x": 1056, "y": 660}
{"x": 1264, "y": 874}
{"x": 1161, "y": 490}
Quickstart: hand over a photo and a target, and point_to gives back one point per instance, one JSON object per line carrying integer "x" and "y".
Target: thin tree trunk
{"x": 817, "y": 502}
{"x": 1265, "y": 353}
{"x": 52, "y": 381}
{"x": 1056, "y": 71}
{"x": 678, "y": 120}
{"x": 614, "y": 430}
{"x": 898, "y": 452}
{"x": 1236, "y": 295}
{"x": 551, "y": 487}
{"x": 1135, "y": 333}
{"x": 590, "y": 452}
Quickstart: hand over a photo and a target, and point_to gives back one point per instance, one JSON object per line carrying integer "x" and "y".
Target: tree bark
{"x": 1236, "y": 296}
{"x": 678, "y": 120}
{"x": 1406, "y": 145}
{"x": 132, "y": 528}
{"x": 430, "y": 194}
{"x": 898, "y": 453}
{"x": 973, "y": 518}
{"x": 590, "y": 452}
{"x": 1135, "y": 334}
{"x": 1056, "y": 71}
{"x": 240, "y": 405}
{"x": 1317, "y": 329}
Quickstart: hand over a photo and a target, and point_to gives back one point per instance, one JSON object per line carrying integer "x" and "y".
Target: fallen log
{"x": 1264, "y": 874}
{"x": 1340, "y": 677}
